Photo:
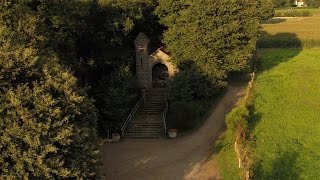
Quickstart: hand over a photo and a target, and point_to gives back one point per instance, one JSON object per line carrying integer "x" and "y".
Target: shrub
{"x": 237, "y": 121}
{"x": 185, "y": 115}
{"x": 190, "y": 85}
{"x": 292, "y": 13}
{"x": 115, "y": 95}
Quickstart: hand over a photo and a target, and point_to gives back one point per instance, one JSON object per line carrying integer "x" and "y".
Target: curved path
{"x": 189, "y": 157}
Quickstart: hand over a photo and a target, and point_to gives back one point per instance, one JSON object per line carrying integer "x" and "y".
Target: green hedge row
{"x": 293, "y": 13}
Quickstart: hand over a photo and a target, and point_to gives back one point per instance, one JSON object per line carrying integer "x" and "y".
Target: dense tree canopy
{"x": 283, "y": 3}
{"x": 313, "y": 3}
{"x": 47, "y": 122}
{"x": 218, "y": 36}
{"x": 265, "y": 9}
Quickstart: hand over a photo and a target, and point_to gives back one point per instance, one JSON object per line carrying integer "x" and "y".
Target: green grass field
{"x": 285, "y": 127}
{"x": 286, "y": 123}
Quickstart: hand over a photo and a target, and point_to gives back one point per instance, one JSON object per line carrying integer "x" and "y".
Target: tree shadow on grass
{"x": 279, "y": 40}
{"x": 283, "y": 168}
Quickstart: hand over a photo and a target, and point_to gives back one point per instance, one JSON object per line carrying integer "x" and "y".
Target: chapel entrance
{"x": 160, "y": 76}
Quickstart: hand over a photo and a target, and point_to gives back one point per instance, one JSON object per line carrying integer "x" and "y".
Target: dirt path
{"x": 188, "y": 157}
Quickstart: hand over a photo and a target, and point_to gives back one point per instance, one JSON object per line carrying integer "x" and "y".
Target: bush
{"x": 292, "y": 13}
{"x": 237, "y": 121}
{"x": 185, "y": 115}
{"x": 192, "y": 85}
{"x": 115, "y": 96}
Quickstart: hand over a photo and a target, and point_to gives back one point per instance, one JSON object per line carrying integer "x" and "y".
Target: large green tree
{"x": 47, "y": 122}
{"x": 283, "y": 3}
{"x": 218, "y": 36}
{"x": 265, "y": 9}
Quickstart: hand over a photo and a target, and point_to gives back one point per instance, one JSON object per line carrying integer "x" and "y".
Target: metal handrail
{"x": 129, "y": 118}
{"x": 165, "y": 112}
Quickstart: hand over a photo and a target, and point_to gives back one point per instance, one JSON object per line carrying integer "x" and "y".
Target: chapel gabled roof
{"x": 162, "y": 50}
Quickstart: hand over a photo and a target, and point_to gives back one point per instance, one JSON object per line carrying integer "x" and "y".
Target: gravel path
{"x": 189, "y": 157}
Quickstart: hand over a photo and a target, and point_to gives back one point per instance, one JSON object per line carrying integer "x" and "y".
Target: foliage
{"x": 190, "y": 84}
{"x": 283, "y": 3}
{"x": 138, "y": 13}
{"x": 197, "y": 32}
{"x": 291, "y": 3}
{"x": 286, "y": 117}
{"x": 313, "y": 3}
{"x": 115, "y": 95}
{"x": 293, "y": 13}
{"x": 265, "y": 9}
{"x": 204, "y": 46}
{"x": 94, "y": 39}
{"x": 186, "y": 115}
{"x": 237, "y": 121}
{"x": 236, "y": 142}
{"x": 47, "y": 123}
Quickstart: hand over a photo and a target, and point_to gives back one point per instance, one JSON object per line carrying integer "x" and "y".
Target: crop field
{"x": 286, "y": 125}
{"x": 291, "y": 32}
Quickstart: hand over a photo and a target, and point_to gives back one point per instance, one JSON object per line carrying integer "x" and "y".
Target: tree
{"x": 47, "y": 122}
{"x": 218, "y": 36}
{"x": 265, "y": 9}
{"x": 115, "y": 96}
{"x": 313, "y": 3}
{"x": 282, "y": 3}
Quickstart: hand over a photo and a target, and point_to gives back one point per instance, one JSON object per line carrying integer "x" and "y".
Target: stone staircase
{"x": 147, "y": 122}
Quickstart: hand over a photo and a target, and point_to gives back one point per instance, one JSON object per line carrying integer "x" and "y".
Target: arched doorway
{"x": 160, "y": 75}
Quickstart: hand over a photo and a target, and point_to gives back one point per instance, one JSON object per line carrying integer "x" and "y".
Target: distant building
{"x": 300, "y": 3}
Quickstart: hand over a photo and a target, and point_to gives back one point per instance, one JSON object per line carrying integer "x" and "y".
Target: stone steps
{"x": 148, "y": 121}
{"x": 143, "y": 135}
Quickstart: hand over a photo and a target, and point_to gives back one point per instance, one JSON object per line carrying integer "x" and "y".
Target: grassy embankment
{"x": 285, "y": 125}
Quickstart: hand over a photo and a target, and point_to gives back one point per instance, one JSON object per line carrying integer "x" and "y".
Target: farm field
{"x": 291, "y": 32}
{"x": 286, "y": 125}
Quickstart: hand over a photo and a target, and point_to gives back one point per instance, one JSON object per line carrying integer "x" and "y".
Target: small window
{"x": 141, "y": 62}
